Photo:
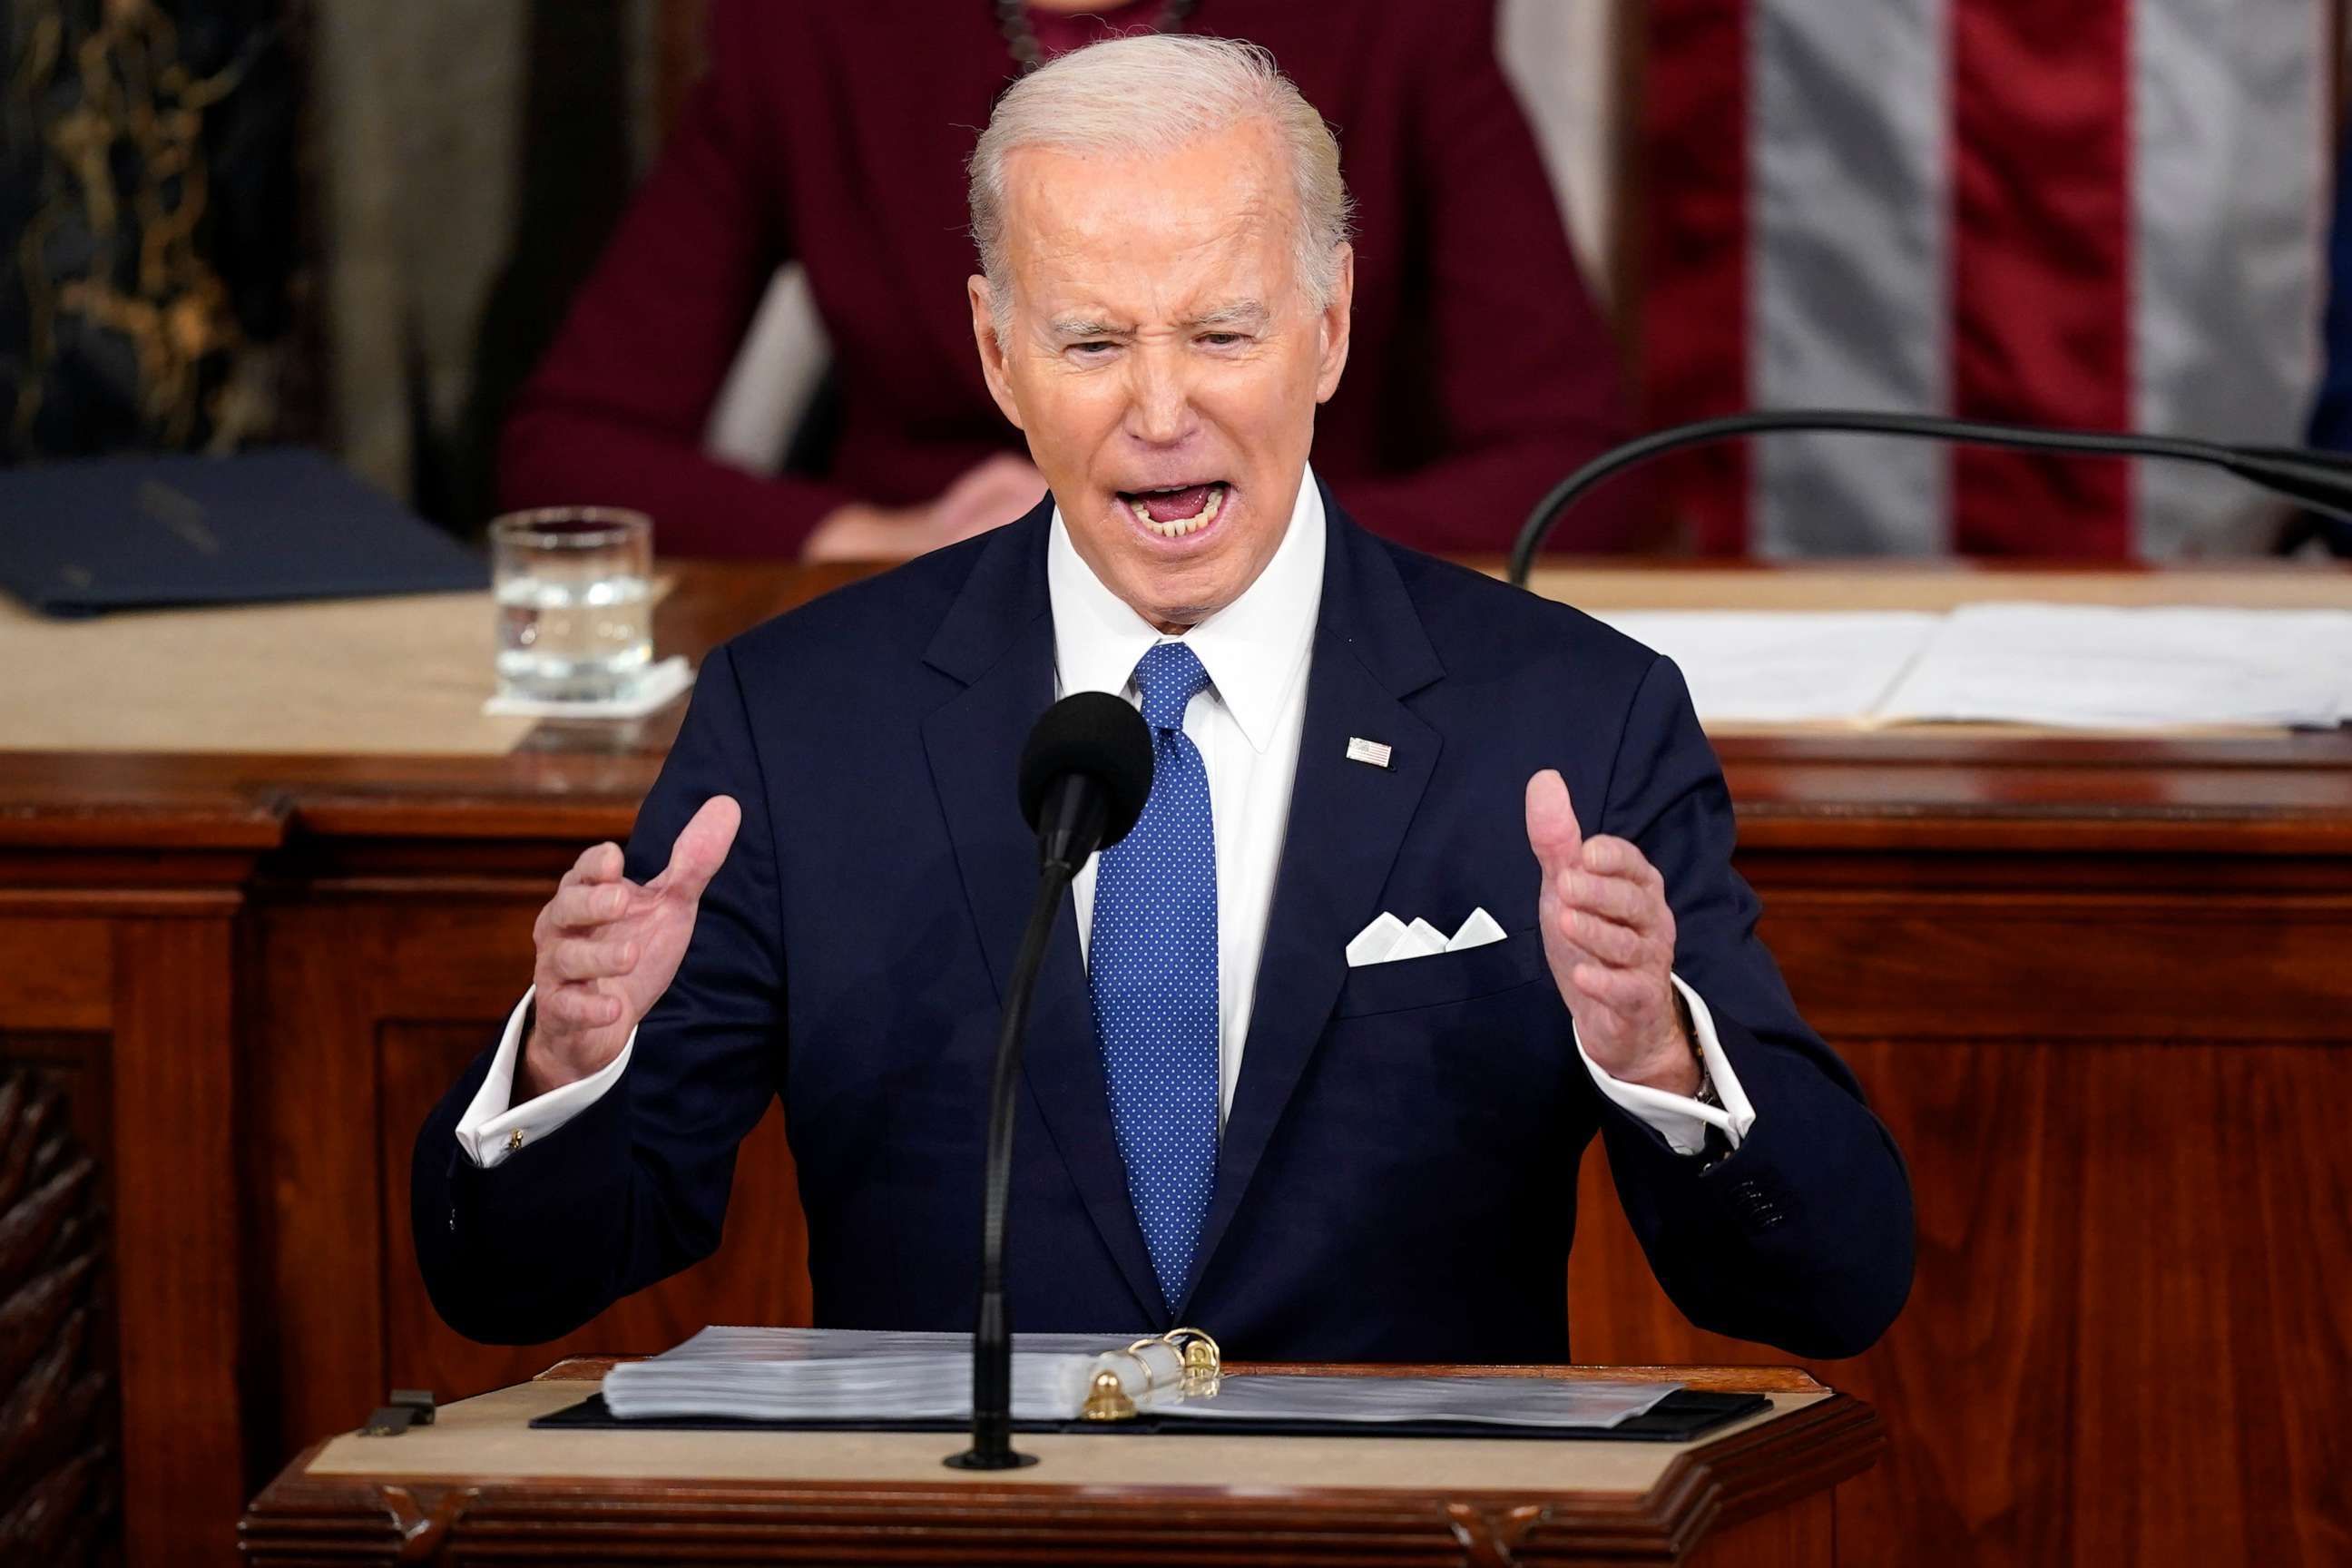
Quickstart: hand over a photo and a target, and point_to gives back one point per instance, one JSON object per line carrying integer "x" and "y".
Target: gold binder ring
{"x": 1107, "y": 1397}
{"x": 1135, "y": 1353}
{"x": 1183, "y": 1337}
{"x": 1203, "y": 1362}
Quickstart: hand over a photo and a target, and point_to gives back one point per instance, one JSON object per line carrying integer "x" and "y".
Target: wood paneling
{"x": 60, "y": 1470}
{"x": 2059, "y": 965}
{"x": 2126, "y": 1343}
{"x": 758, "y": 1275}
{"x": 313, "y": 1158}
{"x": 119, "y": 995}
{"x": 2099, "y": 987}
{"x": 376, "y": 996}
{"x": 1805, "y": 1531}
{"x": 176, "y": 1234}
{"x": 64, "y": 978}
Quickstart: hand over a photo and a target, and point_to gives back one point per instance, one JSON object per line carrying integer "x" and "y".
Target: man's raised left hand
{"x": 1610, "y": 937}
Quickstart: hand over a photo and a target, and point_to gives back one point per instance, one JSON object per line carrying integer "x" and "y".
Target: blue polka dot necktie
{"x": 1151, "y": 970}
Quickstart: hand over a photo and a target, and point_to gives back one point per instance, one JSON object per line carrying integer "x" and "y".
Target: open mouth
{"x": 1178, "y": 509}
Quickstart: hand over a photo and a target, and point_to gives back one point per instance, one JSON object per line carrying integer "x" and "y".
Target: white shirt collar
{"x": 1255, "y": 649}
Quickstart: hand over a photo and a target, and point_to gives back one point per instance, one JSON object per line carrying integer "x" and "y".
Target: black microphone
{"x": 2320, "y": 481}
{"x": 1085, "y": 776}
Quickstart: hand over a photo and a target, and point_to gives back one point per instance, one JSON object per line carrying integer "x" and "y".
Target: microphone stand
{"x": 2320, "y": 480}
{"x": 1072, "y": 822}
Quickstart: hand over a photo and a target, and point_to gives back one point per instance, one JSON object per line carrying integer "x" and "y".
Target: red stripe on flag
{"x": 2042, "y": 266}
{"x": 1694, "y": 261}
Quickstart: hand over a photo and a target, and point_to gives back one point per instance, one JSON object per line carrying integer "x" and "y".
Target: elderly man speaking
{"x": 1434, "y": 882}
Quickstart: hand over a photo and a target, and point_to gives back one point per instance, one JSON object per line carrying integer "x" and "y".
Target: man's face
{"x": 1164, "y": 359}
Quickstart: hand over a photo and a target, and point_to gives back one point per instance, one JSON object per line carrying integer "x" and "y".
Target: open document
{"x": 2092, "y": 667}
{"x": 1782, "y": 666}
{"x": 846, "y": 1375}
{"x": 2095, "y": 667}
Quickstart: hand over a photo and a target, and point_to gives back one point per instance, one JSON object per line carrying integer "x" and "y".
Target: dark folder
{"x": 1686, "y": 1413}
{"x": 77, "y": 539}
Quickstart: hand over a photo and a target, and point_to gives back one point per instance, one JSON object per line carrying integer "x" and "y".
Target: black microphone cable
{"x": 2320, "y": 480}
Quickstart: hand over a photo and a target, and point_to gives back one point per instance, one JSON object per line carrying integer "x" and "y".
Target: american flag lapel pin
{"x": 1374, "y": 753}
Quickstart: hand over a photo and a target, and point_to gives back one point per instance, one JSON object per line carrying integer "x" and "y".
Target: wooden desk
{"x": 1758, "y": 1494}
{"x": 2099, "y": 988}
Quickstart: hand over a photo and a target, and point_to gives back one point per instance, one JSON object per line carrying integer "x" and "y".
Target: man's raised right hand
{"x": 609, "y": 947}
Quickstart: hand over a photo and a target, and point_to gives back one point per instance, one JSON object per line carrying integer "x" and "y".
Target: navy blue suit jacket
{"x": 1397, "y": 1175}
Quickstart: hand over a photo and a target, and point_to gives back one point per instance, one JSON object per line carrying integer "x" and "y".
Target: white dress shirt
{"x": 1248, "y": 724}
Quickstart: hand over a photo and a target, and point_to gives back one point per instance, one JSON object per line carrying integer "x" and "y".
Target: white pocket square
{"x": 1388, "y": 939}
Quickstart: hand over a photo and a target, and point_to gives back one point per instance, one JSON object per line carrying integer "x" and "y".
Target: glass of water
{"x": 575, "y": 602}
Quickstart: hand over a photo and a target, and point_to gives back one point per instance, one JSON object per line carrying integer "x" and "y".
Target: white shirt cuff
{"x": 1680, "y": 1121}
{"x": 493, "y": 1126}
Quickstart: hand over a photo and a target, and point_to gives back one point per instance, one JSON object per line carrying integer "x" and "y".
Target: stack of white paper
{"x": 1491, "y": 1401}
{"x": 2094, "y": 666}
{"x": 821, "y": 1374}
{"x": 847, "y": 1374}
{"x": 1774, "y": 666}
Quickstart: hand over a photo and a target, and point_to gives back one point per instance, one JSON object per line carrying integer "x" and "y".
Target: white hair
{"x": 1147, "y": 96}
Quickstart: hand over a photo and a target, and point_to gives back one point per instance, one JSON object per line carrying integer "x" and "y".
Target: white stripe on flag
{"x": 2228, "y": 233}
{"x": 1561, "y": 59}
{"x": 1848, "y": 132}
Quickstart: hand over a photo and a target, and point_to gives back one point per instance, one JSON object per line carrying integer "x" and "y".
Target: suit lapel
{"x": 1346, "y": 820}
{"x": 998, "y": 639}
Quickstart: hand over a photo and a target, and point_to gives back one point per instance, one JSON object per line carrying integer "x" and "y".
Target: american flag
{"x": 2094, "y": 214}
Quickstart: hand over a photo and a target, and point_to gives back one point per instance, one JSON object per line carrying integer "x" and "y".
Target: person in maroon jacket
{"x": 835, "y": 133}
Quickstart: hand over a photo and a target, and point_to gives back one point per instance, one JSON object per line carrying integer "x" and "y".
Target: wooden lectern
{"x": 480, "y": 1483}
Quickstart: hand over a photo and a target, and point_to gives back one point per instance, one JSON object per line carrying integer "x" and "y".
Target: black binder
{"x": 1686, "y": 1413}
{"x": 77, "y": 539}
